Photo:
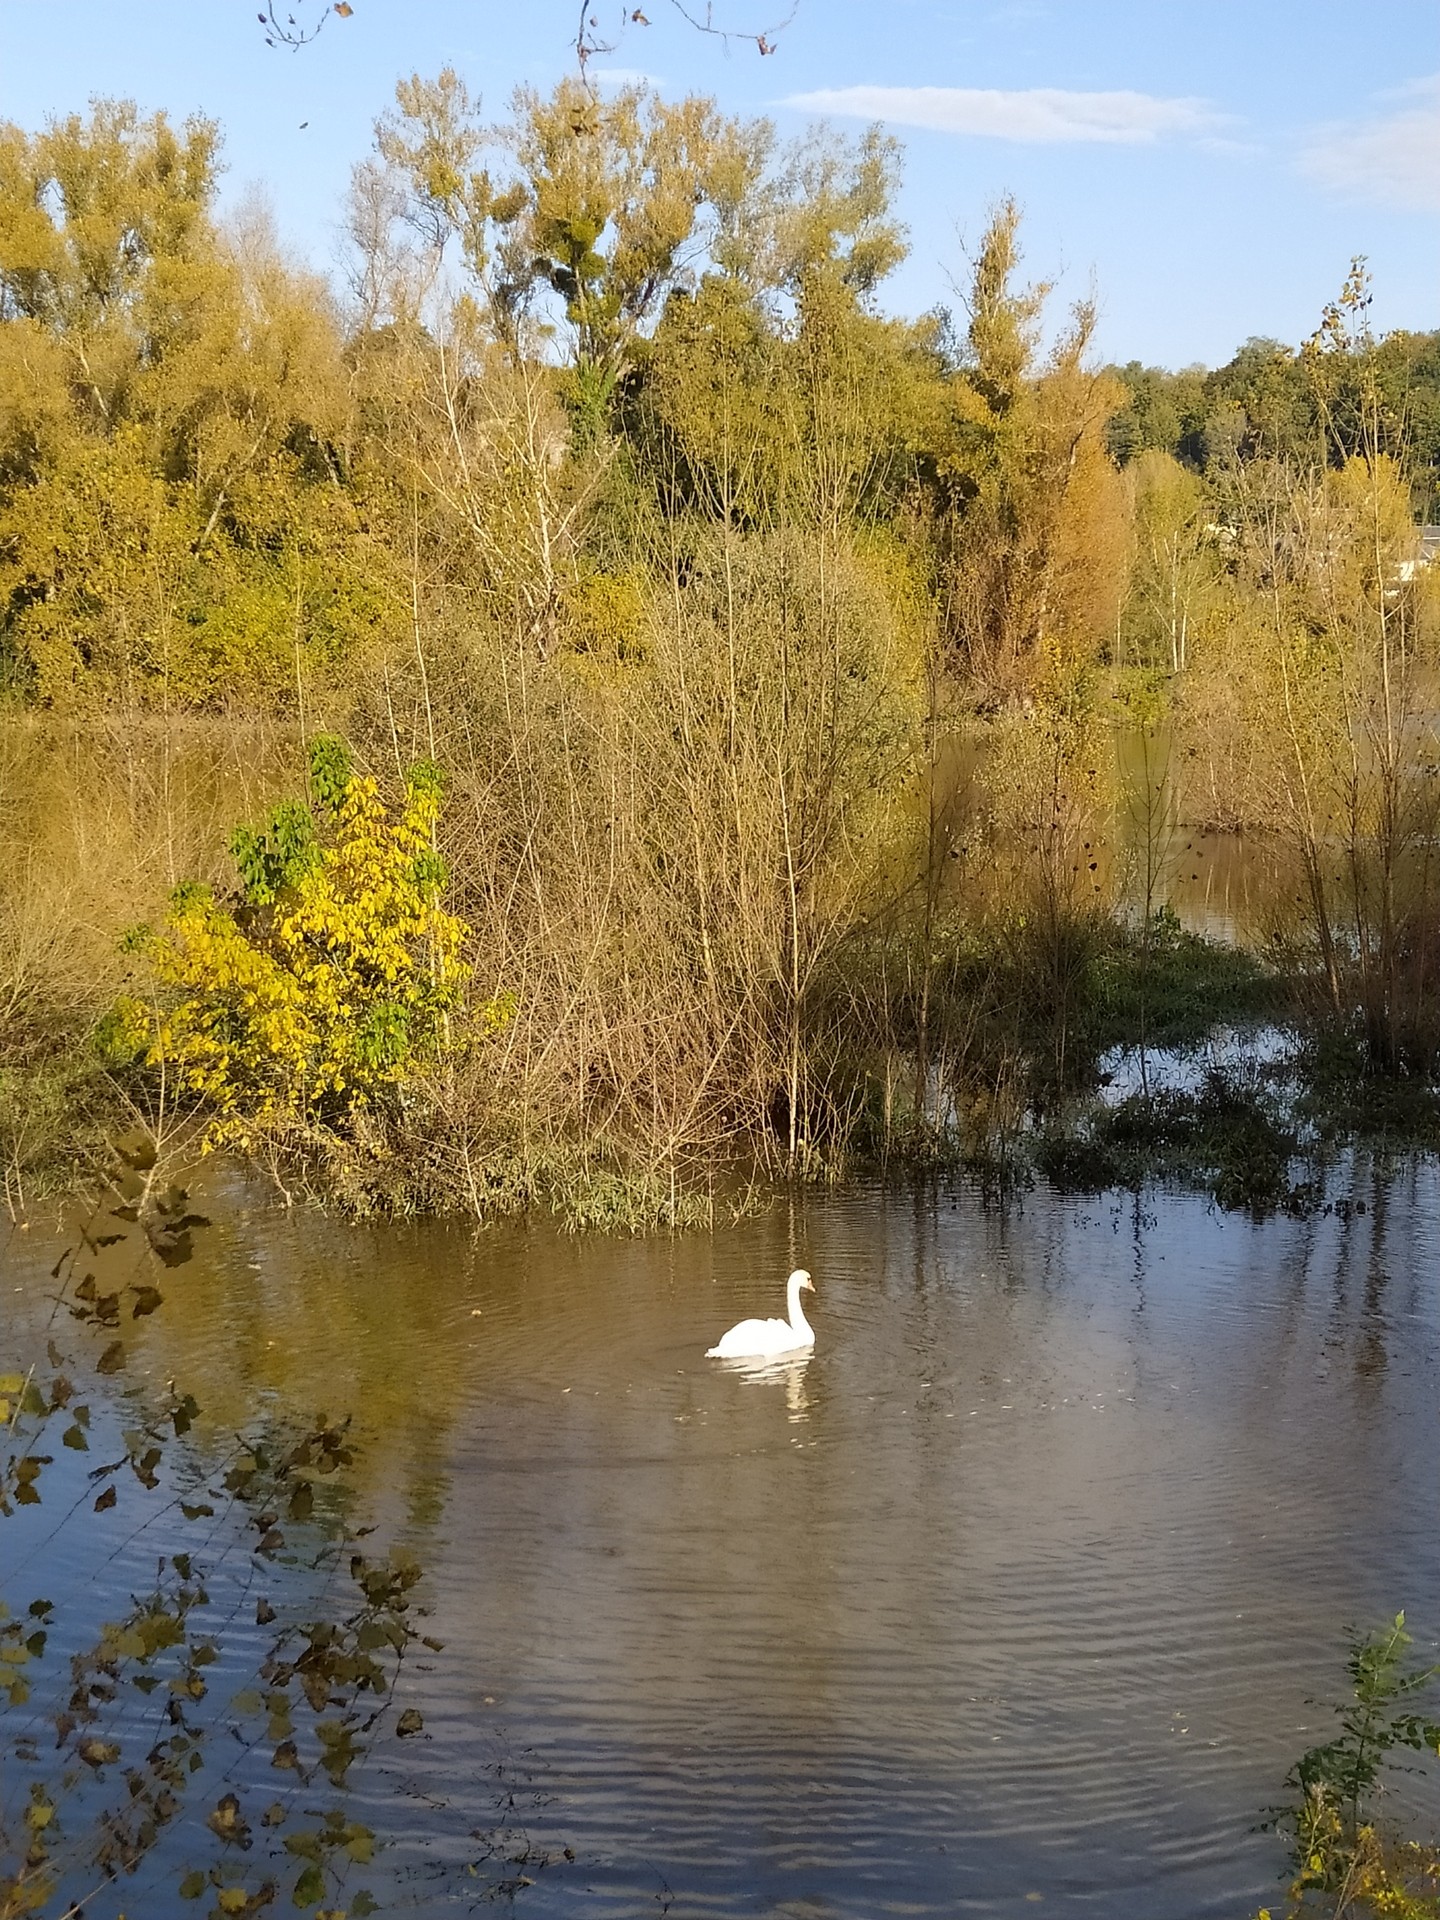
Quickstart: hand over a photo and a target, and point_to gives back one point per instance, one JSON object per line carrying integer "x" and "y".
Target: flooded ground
{"x": 1012, "y": 1598}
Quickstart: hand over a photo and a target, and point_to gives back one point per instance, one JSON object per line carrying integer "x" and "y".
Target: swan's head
{"x": 801, "y": 1277}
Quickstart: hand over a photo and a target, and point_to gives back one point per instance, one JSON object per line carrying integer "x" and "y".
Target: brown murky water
{"x": 1010, "y": 1599}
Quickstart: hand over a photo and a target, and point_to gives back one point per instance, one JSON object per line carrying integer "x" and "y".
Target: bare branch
{"x": 288, "y": 31}
{"x": 592, "y": 40}
{"x": 283, "y": 28}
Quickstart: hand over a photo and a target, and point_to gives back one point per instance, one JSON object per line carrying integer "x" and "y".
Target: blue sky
{"x": 1210, "y": 167}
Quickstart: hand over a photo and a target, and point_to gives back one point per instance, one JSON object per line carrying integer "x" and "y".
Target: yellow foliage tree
{"x": 328, "y": 981}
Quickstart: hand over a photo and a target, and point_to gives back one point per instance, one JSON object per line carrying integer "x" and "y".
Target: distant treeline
{"x": 1264, "y": 404}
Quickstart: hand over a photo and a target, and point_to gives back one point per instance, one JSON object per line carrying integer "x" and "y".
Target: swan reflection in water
{"x": 783, "y": 1370}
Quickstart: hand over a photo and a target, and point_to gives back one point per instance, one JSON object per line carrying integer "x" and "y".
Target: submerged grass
{"x": 1229, "y": 1137}
{"x": 1345, "y": 1100}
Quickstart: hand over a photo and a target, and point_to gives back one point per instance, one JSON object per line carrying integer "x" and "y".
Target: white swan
{"x": 753, "y": 1338}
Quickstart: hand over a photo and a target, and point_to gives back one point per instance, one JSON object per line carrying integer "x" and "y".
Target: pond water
{"x": 1014, "y": 1597}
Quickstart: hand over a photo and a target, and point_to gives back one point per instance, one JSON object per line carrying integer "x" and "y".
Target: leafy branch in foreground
{"x": 590, "y": 39}
{"x": 1345, "y": 1863}
{"x": 108, "y": 1756}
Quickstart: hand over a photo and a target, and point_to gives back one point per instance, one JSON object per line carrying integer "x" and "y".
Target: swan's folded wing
{"x": 740, "y": 1339}
{"x": 752, "y": 1337}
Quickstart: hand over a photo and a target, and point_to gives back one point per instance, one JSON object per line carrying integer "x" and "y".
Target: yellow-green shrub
{"x": 328, "y": 980}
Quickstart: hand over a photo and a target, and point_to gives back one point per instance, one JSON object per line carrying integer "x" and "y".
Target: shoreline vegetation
{"x": 594, "y": 712}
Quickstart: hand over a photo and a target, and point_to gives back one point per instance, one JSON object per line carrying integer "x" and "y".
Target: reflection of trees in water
{"x": 299, "y": 1313}
{"x": 1375, "y": 1230}
{"x": 1351, "y": 1235}
{"x": 1372, "y": 1352}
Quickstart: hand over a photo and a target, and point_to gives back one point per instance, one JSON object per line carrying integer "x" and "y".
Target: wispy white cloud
{"x": 1035, "y": 115}
{"x": 1394, "y": 157}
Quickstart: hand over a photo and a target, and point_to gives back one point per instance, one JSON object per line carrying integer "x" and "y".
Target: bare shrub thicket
{"x": 672, "y": 780}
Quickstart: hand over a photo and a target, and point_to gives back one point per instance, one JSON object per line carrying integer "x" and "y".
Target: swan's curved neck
{"x": 797, "y": 1312}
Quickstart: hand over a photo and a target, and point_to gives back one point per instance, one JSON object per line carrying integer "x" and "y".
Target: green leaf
{"x": 309, "y": 1888}
{"x": 193, "y": 1885}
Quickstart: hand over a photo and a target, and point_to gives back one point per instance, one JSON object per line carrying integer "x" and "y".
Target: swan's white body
{"x": 753, "y": 1339}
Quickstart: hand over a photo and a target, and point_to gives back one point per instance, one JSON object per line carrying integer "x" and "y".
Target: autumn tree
{"x": 176, "y": 511}
{"x": 1032, "y": 522}
{"x": 1177, "y": 557}
{"x": 605, "y": 204}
